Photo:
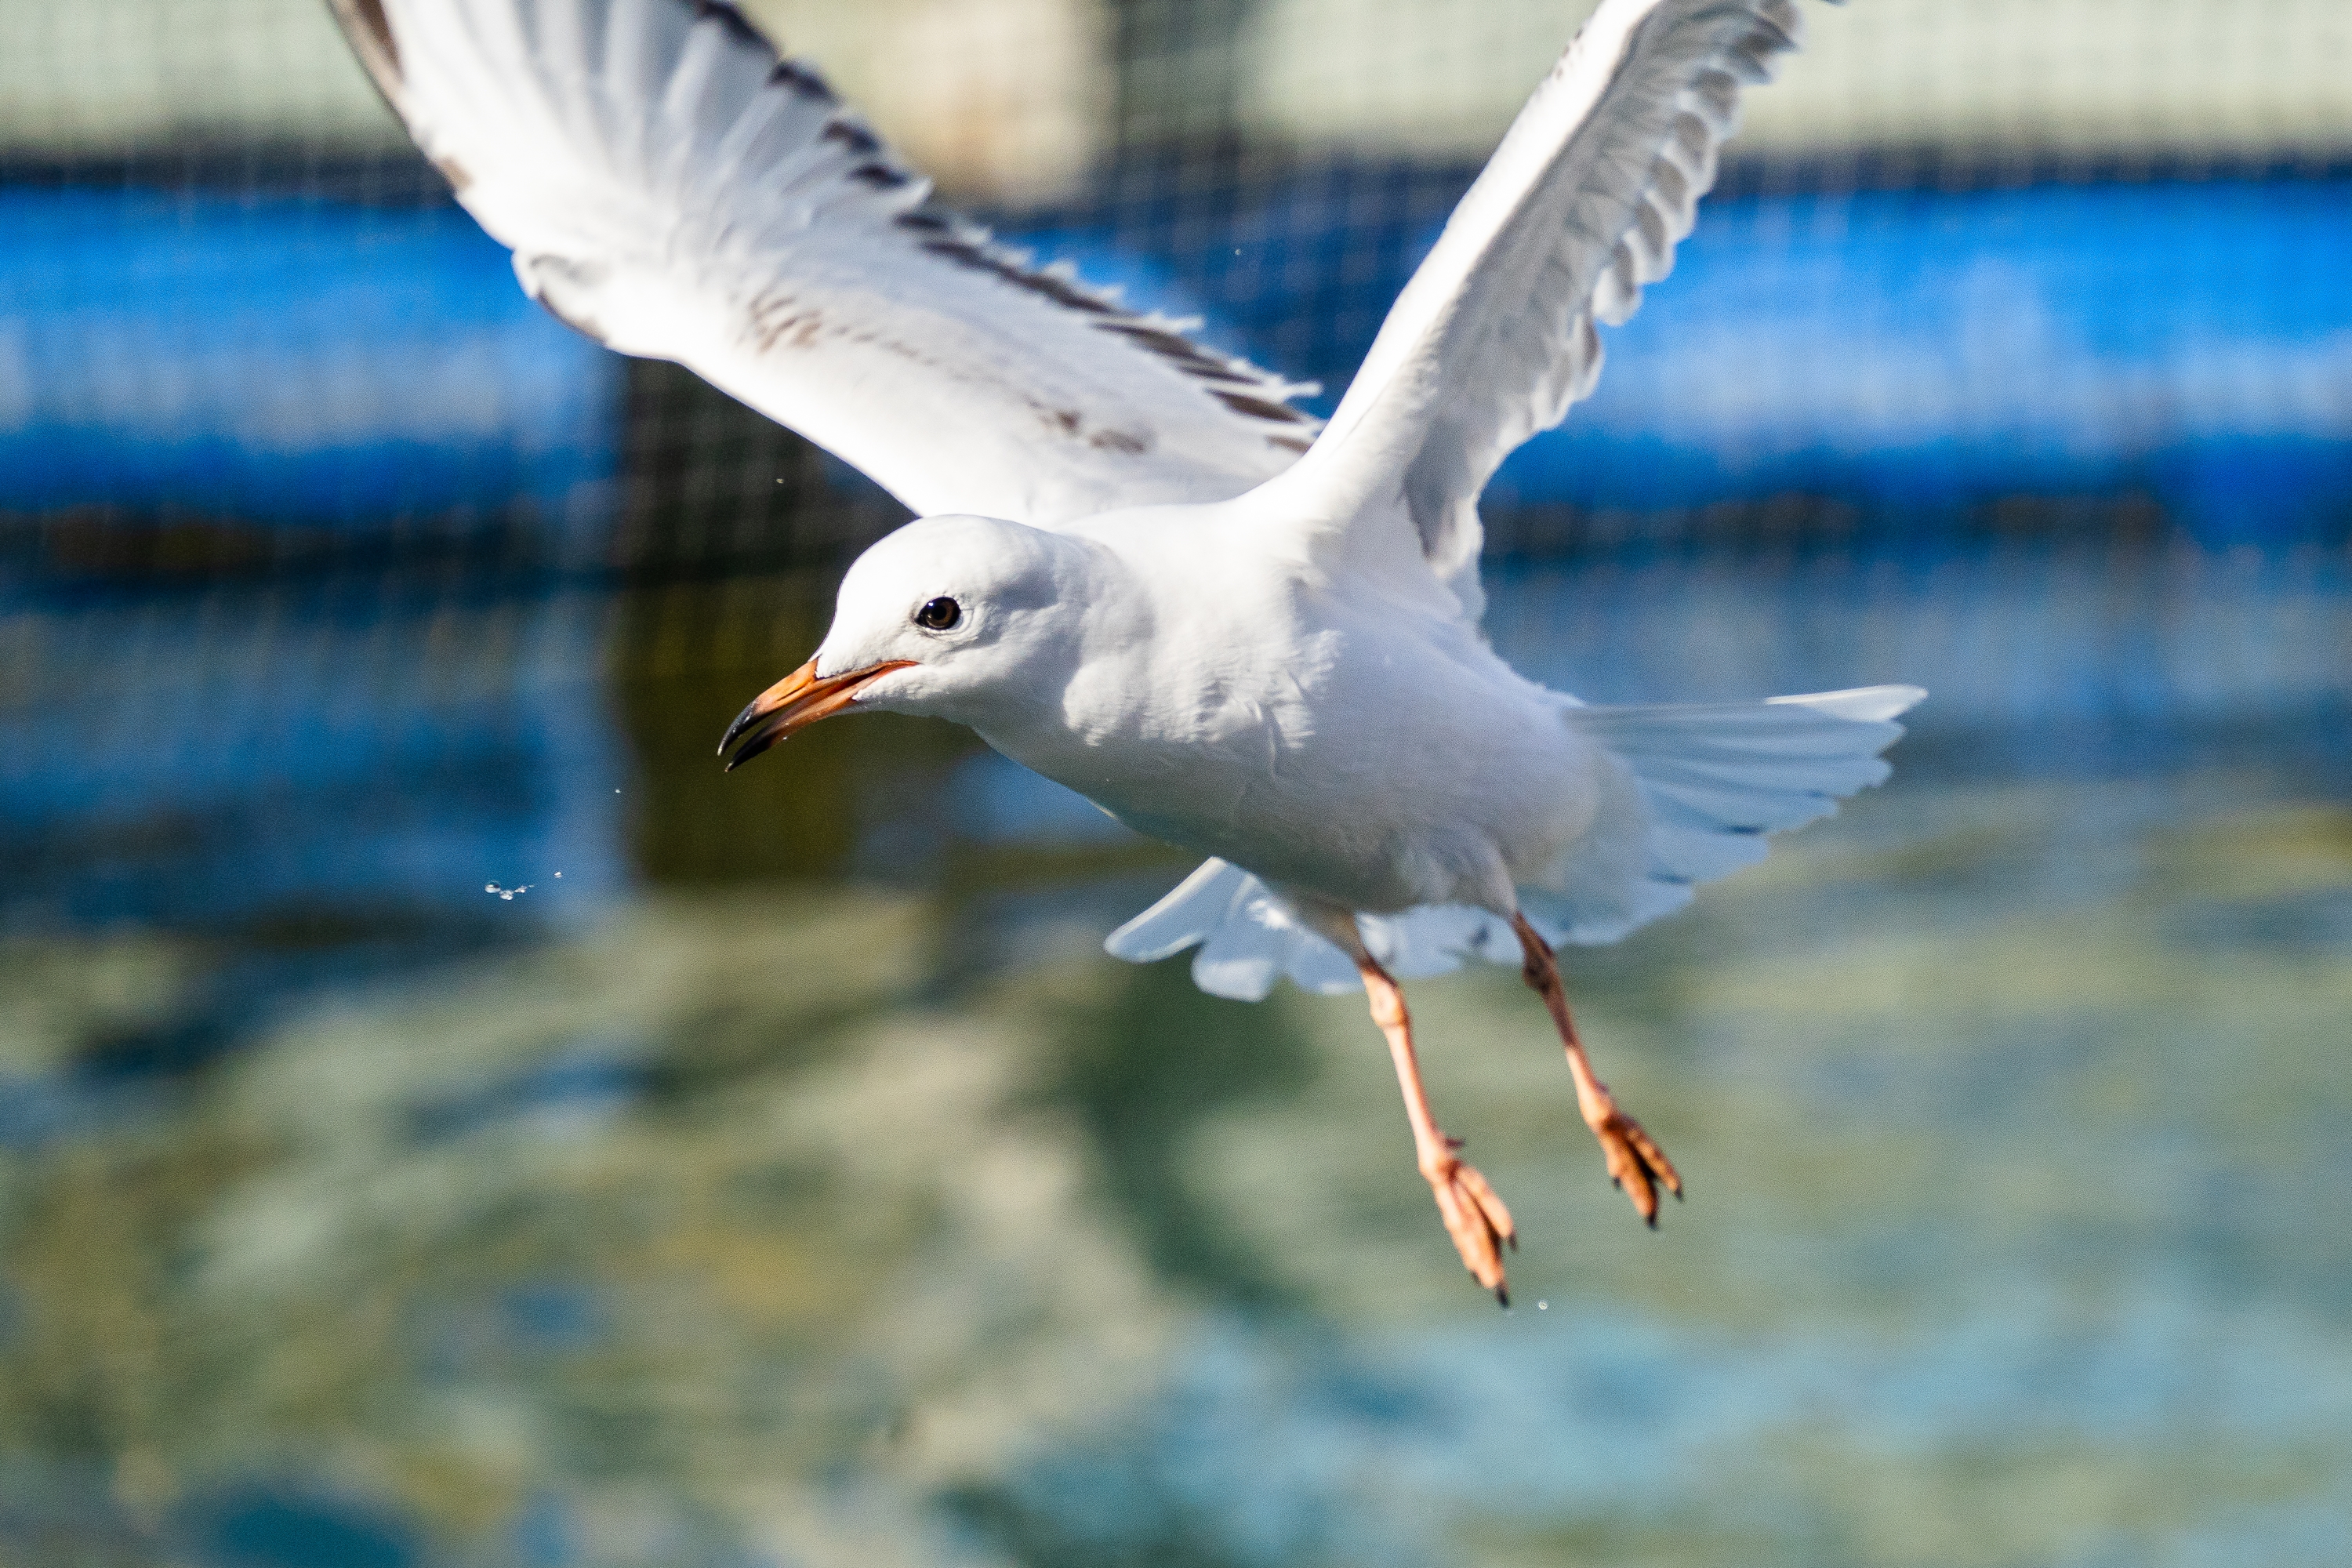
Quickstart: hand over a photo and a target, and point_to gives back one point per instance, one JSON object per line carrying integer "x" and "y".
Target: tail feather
{"x": 1702, "y": 784}
{"x": 1696, "y": 789}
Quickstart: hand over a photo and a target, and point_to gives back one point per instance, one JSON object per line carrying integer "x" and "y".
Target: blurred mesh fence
{"x": 356, "y": 616}
{"x": 2010, "y": 356}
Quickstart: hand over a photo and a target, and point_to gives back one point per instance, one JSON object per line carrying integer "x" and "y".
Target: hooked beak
{"x": 795, "y": 702}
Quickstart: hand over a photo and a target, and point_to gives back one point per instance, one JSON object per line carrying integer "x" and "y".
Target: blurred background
{"x": 442, "y": 1120}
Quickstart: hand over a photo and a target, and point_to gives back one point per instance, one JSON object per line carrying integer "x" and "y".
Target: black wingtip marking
{"x": 852, "y": 135}
{"x": 728, "y": 17}
{"x": 800, "y": 79}
{"x": 784, "y": 73}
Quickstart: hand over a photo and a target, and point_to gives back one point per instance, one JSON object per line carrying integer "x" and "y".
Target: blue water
{"x": 259, "y": 752}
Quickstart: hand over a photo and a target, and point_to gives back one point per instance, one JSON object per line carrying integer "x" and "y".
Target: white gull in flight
{"x": 1137, "y": 568}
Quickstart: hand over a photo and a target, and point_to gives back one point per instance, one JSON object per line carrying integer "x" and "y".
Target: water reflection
{"x": 233, "y": 755}
{"x": 796, "y": 1182}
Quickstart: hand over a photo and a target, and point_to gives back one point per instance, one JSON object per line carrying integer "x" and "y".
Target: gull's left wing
{"x": 675, "y": 189}
{"x": 1493, "y": 337}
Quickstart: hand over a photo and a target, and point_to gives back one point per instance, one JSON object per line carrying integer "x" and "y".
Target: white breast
{"x": 1337, "y": 738}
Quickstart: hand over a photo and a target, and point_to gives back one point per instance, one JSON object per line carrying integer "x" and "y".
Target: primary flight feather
{"x": 673, "y": 188}
{"x": 1137, "y": 568}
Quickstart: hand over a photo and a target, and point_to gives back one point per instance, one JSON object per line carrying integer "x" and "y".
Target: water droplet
{"x": 1543, "y": 1306}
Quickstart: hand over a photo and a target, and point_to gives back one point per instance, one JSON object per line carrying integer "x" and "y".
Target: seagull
{"x": 1137, "y": 567}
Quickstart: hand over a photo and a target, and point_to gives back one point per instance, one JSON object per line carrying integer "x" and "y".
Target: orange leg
{"x": 1635, "y": 1162}
{"x": 1474, "y": 1218}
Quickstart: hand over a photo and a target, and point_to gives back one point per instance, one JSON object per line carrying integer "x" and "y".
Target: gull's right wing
{"x": 673, "y": 188}
{"x": 1581, "y": 207}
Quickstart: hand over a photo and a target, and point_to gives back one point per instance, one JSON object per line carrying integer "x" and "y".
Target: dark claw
{"x": 1652, "y": 1222}
{"x": 1503, "y": 1295}
{"x": 1512, "y": 1242}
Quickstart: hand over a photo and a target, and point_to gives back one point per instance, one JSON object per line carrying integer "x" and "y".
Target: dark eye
{"x": 941, "y": 615}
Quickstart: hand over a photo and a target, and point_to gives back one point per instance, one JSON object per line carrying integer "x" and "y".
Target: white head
{"x": 959, "y": 617}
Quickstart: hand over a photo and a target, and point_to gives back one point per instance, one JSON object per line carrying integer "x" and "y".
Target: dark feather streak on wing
{"x": 975, "y": 254}
{"x": 728, "y": 17}
{"x": 1259, "y": 408}
{"x": 370, "y": 32}
{"x": 936, "y": 230}
{"x": 955, "y": 239}
{"x": 799, "y": 78}
{"x": 853, "y": 136}
{"x": 1188, "y": 357}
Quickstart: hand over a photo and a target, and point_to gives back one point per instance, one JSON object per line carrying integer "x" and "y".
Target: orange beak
{"x": 795, "y": 702}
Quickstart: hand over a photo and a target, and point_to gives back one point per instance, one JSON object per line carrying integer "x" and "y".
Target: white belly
{"x": 1375, "y": 768}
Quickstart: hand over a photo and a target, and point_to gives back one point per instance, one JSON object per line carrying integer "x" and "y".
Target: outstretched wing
{"x": 673, "y": 188}
{"x": 1581, "y": 207}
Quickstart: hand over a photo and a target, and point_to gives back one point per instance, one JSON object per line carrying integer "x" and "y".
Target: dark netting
{"x": 364, "y": 630}
{"x": 2050, "y": 427}
{"x": 2054, "y": 426}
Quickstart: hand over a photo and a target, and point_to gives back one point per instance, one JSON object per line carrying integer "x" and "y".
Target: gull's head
{"x": 952, "y": 617}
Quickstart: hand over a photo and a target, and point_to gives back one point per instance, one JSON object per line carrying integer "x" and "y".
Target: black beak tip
{"x": 744, "y": 722}
{"x": 749, "y": 741}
